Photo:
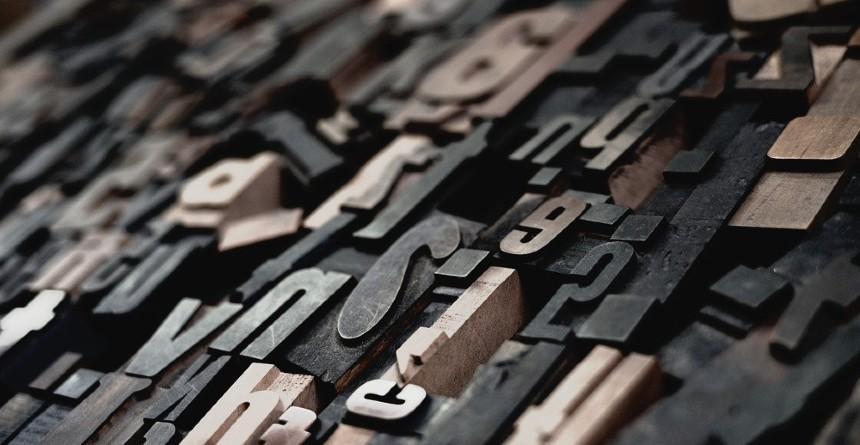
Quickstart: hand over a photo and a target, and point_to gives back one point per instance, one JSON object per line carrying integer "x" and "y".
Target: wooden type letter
{"x": 83, "y": 421}
{"x": 585, "y": 25}
{"x": 54, "y": 374}
{"x": 543, "y": 226}
{"x": 838, "y": 285}
{"x": 101, "y": 202}
{"x": 72, "y": 268}
{"x": 494, "y": 58}
{"x": 159, "y": 267}
{"x": 552, "y": 139}
{"x": 718, "y": 75}
{"x": 252, "y": 404}
{"x": 622, "y": 128}
{"x": 405, "y": 204}
{"x": 292, "y": 427}
{"x": 796, "y": 67}
{"x": 304, "y": 291}
{"x": 160, "y": 433}
{"x": 399, "y": 77}
{"x": 376, "y": 292}
{"x": 176, "y": 336}
{"x": 307, "y": 157}
{"x": 514, "y": 374}
{"x": 171, "y": 405}
{"x": 21, "y": 321}
{"x": 620, "y": 255}
{"x": 694, "y": 52}
{"x": 401, "y": 401}
{"x": 374, "y": 181}
{"x": 231, "y": 189}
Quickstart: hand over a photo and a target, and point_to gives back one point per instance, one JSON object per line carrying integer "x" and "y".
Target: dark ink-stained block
{"x": 687, "y": 165}
{"x": 546, "y": 180}
{"x": 307, "y": 157}
{"x": 300, "y": 313}
{"x": 552, "y": 139}
{"x": 377, "y": 291}
{"x": 462, "y": 265}
{"x": 750, "y": 288}
{"x": 836, "y": 287}
{"x": 648, "y": 36}
{"x": 637, "y": 228}
{"x": 692, "y": 348}
{"x": 373, "y": 323}
{"x": 619, "y": 130}
{"x": 304, "y": 251}
{"x": 618, "y": 317}
{"x": 54, "y": 374}
{"x": 79, "y": 384}
{"x": 743, "y": 394}
{"x": 733, "y": 324}
{"x": 604, "y": 214}
{"x": 691, "y": 54}
{"x": 158, "y": 269}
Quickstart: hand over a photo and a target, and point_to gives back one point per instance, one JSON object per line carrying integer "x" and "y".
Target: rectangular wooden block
{"x": 786, "y": 200}
{"x": 817, "y": 138}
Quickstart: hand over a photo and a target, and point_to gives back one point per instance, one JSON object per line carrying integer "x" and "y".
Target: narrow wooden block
{"x": 443, "y": 357}
{"x": 787, "y": 200}
{"x": 632, "y": 385}
{"x": 539, "y": 423}
{"x": 81, "y": 423}
{"x": 825, "y": 139}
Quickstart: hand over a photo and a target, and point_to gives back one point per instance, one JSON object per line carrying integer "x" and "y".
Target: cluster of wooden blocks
{"x": 453, "y": 222}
